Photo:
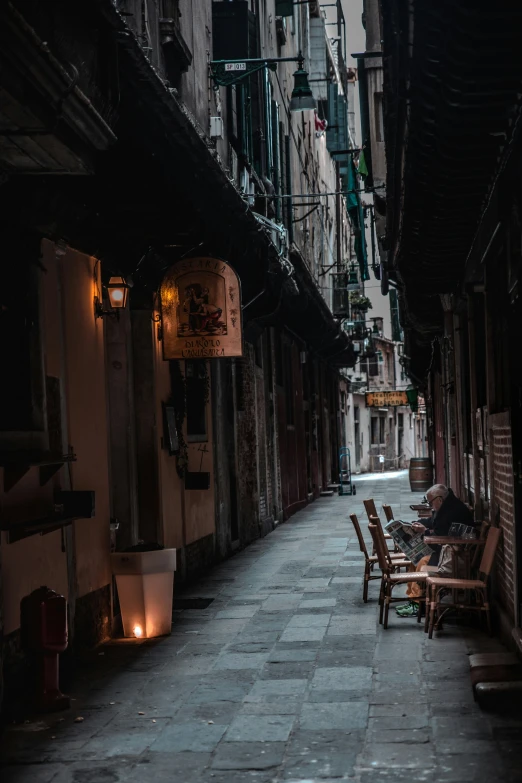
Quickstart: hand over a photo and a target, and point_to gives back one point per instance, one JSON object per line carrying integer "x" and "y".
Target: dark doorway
{"x": 357, "y": 436}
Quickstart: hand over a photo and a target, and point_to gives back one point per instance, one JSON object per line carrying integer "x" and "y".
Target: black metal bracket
{"x": 225, "y": 73}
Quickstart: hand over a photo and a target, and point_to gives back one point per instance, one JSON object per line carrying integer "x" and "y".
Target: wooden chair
{"x": 478, "y": 587}
{"x": 484, "y": 527}
{"x": 390, "y": 556}
{"x": 388, "y": 513}
{"x": 389, "y": 577}
{"x": 370, "y": 507}
{"x": 371, "y": 511}
{"x": 369, "y": 560}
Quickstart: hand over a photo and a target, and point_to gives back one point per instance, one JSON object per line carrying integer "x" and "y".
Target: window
{"x": 380, "y": 365}
{"x": 401, "y": 420}
{"x": 373, "y": 366}
{"x": 375, "y": 431}
{"x": 389, "y": 367}
{"x": 197, "y": 393}
{"x": 22, "y": 391}
{"x": 381, "y": 429}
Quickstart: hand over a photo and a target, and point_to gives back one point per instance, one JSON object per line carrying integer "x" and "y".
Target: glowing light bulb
{"x": 117, "y": 295}
{"x": 138, "y": 631}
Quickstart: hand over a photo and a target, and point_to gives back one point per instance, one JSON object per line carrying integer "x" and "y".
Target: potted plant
{"x": 359, "y": 301}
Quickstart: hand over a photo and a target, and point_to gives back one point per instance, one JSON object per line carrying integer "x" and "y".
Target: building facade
{"x": 456, "y": 255}
{"x": 121, "y": 157}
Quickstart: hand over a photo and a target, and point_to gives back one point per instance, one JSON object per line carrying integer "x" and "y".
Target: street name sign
{"x": 235, "y": 66}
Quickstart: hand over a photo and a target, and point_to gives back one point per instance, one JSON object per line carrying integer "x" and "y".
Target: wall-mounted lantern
{"x": 302, "y": 97}
{"x": 118, "y": 293}
{"x": 228, "y": 72}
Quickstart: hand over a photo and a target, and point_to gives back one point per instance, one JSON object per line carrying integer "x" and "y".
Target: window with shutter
{"x": 340, "y": 296}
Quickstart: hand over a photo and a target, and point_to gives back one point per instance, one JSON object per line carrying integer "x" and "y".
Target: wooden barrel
{"x": 421, "y": 474}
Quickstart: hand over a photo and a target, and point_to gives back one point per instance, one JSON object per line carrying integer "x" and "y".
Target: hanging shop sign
{"x": 201, "y": 310}
{"x": 386, "y": 399}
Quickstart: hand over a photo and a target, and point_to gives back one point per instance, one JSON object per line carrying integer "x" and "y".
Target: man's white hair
{"x": 438, "y": 489}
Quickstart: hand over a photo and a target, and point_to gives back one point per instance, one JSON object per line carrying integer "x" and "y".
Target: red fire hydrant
{"x": 44, "y": 635}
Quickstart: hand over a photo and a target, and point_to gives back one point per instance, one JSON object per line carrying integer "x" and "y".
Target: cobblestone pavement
{"x": 285, "y": 676}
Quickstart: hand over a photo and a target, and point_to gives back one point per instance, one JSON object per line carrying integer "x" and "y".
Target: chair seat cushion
{"x": 462, "y": 584}
{"x": 415, "y": 576}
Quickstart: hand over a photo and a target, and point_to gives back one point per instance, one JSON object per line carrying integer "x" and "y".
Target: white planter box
{"x": 145, "y": 582}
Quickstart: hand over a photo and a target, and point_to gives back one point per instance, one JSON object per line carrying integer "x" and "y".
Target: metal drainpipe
{"x": 338, "y": 216}
{"x": 289, "y": 207}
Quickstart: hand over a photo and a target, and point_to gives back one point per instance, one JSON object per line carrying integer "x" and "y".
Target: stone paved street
{"x": 284, "y": 676}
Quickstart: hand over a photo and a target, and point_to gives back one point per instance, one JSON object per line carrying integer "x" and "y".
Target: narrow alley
{"x": 277, "y": 671}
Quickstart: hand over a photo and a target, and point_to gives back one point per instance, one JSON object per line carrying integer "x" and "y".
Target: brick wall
{"x": 502, "y": 512}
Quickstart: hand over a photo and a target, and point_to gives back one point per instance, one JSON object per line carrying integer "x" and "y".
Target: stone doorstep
{"x": 500, "y": 689}
{"x": 490, "y": 669}
{"x": 493, "y": 659}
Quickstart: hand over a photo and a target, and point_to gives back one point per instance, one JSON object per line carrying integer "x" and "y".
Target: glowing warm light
{"x": 138, "y": 631}
{"x": 118, "y": 291}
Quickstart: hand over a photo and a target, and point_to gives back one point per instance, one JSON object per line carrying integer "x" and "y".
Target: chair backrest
{"x": 374, "y": 520}
{"x": 379, "y": 547}
{"x": 369, "y": 506}
{"x": 483, "y": 532}
{"x": 388, "y": 513}
{"x": 360, "y": 537}
{"x": 490, "y": 550}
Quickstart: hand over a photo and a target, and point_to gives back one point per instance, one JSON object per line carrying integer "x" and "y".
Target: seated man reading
{"x": 446, "y": 509}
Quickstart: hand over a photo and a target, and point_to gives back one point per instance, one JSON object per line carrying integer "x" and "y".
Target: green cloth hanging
{"x": 413, "y": 399}
{"x": 363, "y": 168}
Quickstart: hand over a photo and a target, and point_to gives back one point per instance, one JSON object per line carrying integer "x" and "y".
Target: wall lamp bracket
{"x": 226, "y": 73}
{"x": 118, "y": 293}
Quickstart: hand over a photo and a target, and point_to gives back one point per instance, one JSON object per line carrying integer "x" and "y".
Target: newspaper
{"x": 410, "y": 543}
